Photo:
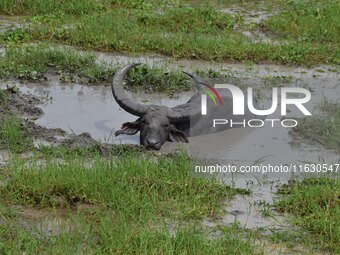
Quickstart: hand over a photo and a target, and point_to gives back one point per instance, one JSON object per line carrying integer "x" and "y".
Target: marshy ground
{"x": 68, "y": 187}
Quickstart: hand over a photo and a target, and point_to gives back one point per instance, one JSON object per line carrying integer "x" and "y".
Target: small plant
{"x": 17, "y": 35}
{"x": 157, "y": 80}
{"x": 265, "y": 208}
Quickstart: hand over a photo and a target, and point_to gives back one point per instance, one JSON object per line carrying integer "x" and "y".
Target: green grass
{"x": 181, "y": 31}
{"x": 132, "y": 199}
{"x": 24, "y": 61}
{"x": 80, "y": 7}
{"x": 308, "y": 21}
{"x": 124, "y": 35}
{"x": 316, "y": 206}
{"x": 13, "y": 135}
{"x": 127, "y": 184}
{"x": 74, "y": 7}
{"x": 323, "y": 128}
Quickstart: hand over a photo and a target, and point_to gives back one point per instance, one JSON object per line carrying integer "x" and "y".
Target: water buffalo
{"x": 158, "y": 124}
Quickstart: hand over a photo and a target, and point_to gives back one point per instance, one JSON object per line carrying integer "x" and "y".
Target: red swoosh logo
{"x": 214, "y": 91}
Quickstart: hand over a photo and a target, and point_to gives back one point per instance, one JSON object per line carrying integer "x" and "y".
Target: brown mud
{"x": 25, "y": 107}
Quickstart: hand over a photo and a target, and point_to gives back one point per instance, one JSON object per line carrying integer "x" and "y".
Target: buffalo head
{"x": 156, "y": 123}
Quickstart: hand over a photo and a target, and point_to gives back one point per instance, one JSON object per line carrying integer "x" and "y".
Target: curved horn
{"x": 191, "y": 109}
{"x": 119, "y": 94}
{"x": 179, "y": 114}
{"x": 195, "y": 79}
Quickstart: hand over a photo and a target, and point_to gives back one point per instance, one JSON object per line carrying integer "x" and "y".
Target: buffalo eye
{"x": 166, "y": 125}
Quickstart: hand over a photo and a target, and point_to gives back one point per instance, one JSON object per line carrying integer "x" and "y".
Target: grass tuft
{"x": 13, "y": 135}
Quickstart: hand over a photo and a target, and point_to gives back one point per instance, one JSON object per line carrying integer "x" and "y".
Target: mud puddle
{"x": 255, "y": 211}
{"x": 4, "y": 156}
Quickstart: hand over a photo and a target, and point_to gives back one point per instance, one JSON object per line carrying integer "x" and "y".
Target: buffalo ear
{"x": 176, "y": 135}
{"x": 129, "y": 128}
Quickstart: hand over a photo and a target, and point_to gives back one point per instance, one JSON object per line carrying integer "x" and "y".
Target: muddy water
{"x": 254, "y": 211}
{"x": 79, "y": 108}
{"x": 247, "y": 146}
{"x": 46, "y": 222}
{"x": 4, "y": 156}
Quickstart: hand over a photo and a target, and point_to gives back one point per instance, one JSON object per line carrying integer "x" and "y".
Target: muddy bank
{"x": 239, "y": 70}
{"x": 14, "y": 102}
{"x": 25, "y": 107}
